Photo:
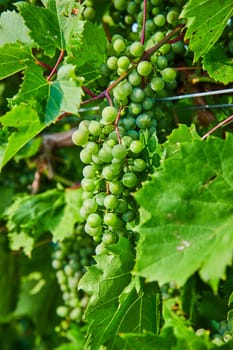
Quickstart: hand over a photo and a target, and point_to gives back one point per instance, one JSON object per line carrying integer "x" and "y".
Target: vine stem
{"x": 144, "y": 23}
{"x": 224, "y": 122}
{"x": 54, "y": 70}
{"x": 44, "y": 65}
{"x": 116, "y": 125}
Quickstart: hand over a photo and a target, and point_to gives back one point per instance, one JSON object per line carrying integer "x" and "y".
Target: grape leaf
{"x": 206, "y": 20}
{"x": 117, "y": 305}
{"x": 190, "y": 209}
{"x": 218, "y": 65}
{"x": 13, "y": 29}
{"x": 64, "y": 97}
{"x": 31, "y": 216}
{"x": 27, "y": 122}
{"x": 13, "y": 58}
{"x": 89, "y": 57}
{"x": 52, "y": 27}
{"x": 43, "y": 26}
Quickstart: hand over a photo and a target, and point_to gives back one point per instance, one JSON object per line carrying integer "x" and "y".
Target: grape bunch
{"x": 116, "y": 145}
{"x": 69, "y": 260}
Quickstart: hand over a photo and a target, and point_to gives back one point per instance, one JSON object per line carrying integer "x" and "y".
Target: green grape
{"x": 89, "y": 172}
{"x": 109, "y": 237}
{"x": 122, "y": 90}
{"x": 110, "y": 201}
{"x": 88, "y": 185}
{"x": 62, "y": 311}
{"x": 85, "y": 156}
{"x": 99, "y": 198}
{"x": 120, "y": 5}
{"x": 137, "y": 95}
{"x": 162, "y": 62}
{"x": 100, "y": 249}
{"x": 129, "y": 180}
{"x": 143, "y": 121}
{"x": 126, "y": 141}
{"x": 123, "y": 62}
{"x": 134, "y": 78}
{"x": 132, "y": 8}
{"x": 122, "y": 206}
{"x": 109, "y": 114}
{"x": 94, "y": 220}
{"x": 158, "y": 36}
{"x": 136, "y": 146}
{"x": 139, "y": 165}
{"x": 128, "y": 122}
{"x": 105, "y": 154}
{"x": 159, "y": 20}
{"x": 135, "y": 108}
{"x": 157, "y": 84}
{"x": 115, "y": 187}
{"x": 119, "y": 46}
{"x": 147, "y": 104}
{"x": 172, "y": 16}
{"x": 110, "y": 219}
{"x": 136, "y": 49}
{"x": 76, "y": 314}
{"x": 144, "y": 68}
{"x": 94, "y": 128}
{"x": 165, "y": 48}
{"x": 80, "y": 137}
{"x": 90, "y": 205}
{"x": 119, "y": 152}
{"x": 92, "y": 147}
{"x": 178, "y": 48}
{"x": 109, "y": 172}
{"x": 112, "y": 62}
{"x": 168, "y": 74}
{"x": 93, "y": 231}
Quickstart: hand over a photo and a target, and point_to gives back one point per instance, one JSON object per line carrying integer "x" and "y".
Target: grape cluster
{"x": 115, "y": 145}
{"x": 69, "y": 260}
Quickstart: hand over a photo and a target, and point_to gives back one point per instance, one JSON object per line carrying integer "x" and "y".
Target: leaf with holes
{"x": 204, "y": 27}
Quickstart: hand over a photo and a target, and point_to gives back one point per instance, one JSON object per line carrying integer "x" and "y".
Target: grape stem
{"x": 54, "y": 70}
{"x": 144, "y": 23}
{"x": 224, "y": 122}
{"x": 44, "y": 65}
{"x": 116, "y": 125}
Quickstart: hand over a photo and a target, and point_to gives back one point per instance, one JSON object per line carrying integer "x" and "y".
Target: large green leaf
{"x": 12, "y": 29}
{"x": 116, "y": 304}
{"x": 218, "y": 65}
{"x": 189, "y": 217}
{"x": 31, "y": 216}
{"x": 13, "y": 58}
{"x": 206, "y": 20}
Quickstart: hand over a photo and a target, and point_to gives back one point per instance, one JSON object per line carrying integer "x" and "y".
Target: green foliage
{"x": 134, "y": 250}
{"x": 204, "y": 30}
{"x": 29, "y": 217}
{"x": 190, "y": 224}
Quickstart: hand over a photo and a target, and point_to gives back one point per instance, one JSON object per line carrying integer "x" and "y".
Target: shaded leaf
{"x": 31, "y": 216}
{"x": 206, "y": 20}
{"x": 190, "y": 210}
{"x": 218, "y": 65}
{"x": 13, "y": 58}
{"x": 91, "y": 54}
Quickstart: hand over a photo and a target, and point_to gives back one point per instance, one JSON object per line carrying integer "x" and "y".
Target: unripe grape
{"x": 112, "y": 62}
{"x": 129, "y": 180}
{"x": 94, "y": 128}
{"x": 168, "y": 74}
{"x": 144, "y": 68}
{"x": 100, "y": 198}
{"x": 159, "y": 20}
{"x": 136, "y": 49}
{"x": 94, "y": 220}
{"x": 137, "y": 95}
{"x": 136, "y": 146}
{"x": 115, "y": 187}
{"x": 157, "y": 84}
{"x": 109, "y": 114}
{"x": 110, "y": 219}
{"x": 88, "y": 185}
{"x": 109, "y": 237}
{"x": 123, "y": 62}
{"x": 134, "y": 78}
{"x": 139, "y": 165}
{"x": 110, "y": 201}
{"x": 80, "y": 137}
{"x": 143, "y": 121}
{"x": 119, "y": 152}
{"x": 119, "y": 45}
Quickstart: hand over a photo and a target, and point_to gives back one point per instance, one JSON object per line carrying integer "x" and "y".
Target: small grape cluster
{"x": 114, "y": 168}
{"x": 69, "y": 260}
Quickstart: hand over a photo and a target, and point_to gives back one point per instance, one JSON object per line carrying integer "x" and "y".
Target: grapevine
{"x": 116, "y": 186}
